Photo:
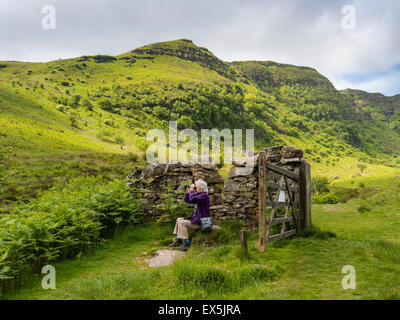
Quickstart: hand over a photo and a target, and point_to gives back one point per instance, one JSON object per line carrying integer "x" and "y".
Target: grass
{"x": 305, "y": 267}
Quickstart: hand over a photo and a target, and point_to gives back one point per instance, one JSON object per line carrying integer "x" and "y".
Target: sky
{"x": 355, "y": 44}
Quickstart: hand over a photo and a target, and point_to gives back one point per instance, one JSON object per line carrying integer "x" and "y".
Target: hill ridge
{"x": 156, "y": 48}
{"x": 168, "y": 80}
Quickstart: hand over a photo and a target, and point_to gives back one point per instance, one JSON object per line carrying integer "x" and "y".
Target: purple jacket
{"x": 201, "y": 203}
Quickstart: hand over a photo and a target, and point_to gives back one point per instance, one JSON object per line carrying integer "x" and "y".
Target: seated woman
{"x": 196, "y": 194}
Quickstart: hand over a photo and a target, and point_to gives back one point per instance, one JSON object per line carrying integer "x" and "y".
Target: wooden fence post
{"x": 243, "y": 240}
{"x": 305, "y": 196}
{"x": 261, "y": 202}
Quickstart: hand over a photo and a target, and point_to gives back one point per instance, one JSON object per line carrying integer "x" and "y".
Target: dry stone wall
{"x": 159, "y": 179}
{"x": 235, "y": 198}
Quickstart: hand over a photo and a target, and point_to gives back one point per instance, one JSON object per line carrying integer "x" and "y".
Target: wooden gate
{"x": 278, "y": 194}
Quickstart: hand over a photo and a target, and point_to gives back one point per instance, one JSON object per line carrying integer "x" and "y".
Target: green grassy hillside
{"x": 376, "y": 106}
{"x": 308, "y": 266}
{"x": 90, "y": 115}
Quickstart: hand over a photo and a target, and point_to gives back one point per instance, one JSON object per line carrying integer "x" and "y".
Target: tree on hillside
{"x": 73, "y": 117}
{"x": 362, "y": 167}
{"x": 76, "y": 98}
{"x": 119, "y": 140}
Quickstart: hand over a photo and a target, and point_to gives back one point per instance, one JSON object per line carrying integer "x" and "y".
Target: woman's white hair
{"x": 202, "y": 185}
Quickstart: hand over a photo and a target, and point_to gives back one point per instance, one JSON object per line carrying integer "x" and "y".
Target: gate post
{"x": 305, "y": 195}
{"x": 261, "y": 202}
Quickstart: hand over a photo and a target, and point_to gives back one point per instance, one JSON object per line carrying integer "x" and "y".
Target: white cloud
{"x": 386, "y": 83}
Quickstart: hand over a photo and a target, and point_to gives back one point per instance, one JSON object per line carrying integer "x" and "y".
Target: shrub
{"x": 60, "y": 108}
{"x": 185, "y": 122}
{"x": 63, "y": 100}
{"x": 63, "y": 222}
{"x": 110, "y": 123}
{"x": 325, "y": 198}
{"x": 171, "y": 207}
{"x": 293, "y": 132}
{"x": 106, "y": 105}
{"x": 86, "y": 103}
{"x": 76, "y": 98}
{"x": 73, "y": 117}
{"x": 133, "y": 157}
{"x": 103, "y": 58}
{"x": 161, "y": 112}
{"x": 119, "y": 140}
{"x": 362, "y": 167}
{"x": 363, "y": 208}
{"x": 142, "y": 144}
{"x": 319, "y": 185}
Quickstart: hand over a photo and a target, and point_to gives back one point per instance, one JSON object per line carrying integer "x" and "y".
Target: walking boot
{"x": 177, "y": 243}
{"x": 184, "y": 246}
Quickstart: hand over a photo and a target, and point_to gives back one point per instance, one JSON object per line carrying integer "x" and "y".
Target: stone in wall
{"x": 290, "y": 153}
{"x": 211, "y": 176}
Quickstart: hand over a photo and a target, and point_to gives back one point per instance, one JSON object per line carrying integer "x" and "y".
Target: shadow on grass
{"x": 317, "y": 233}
